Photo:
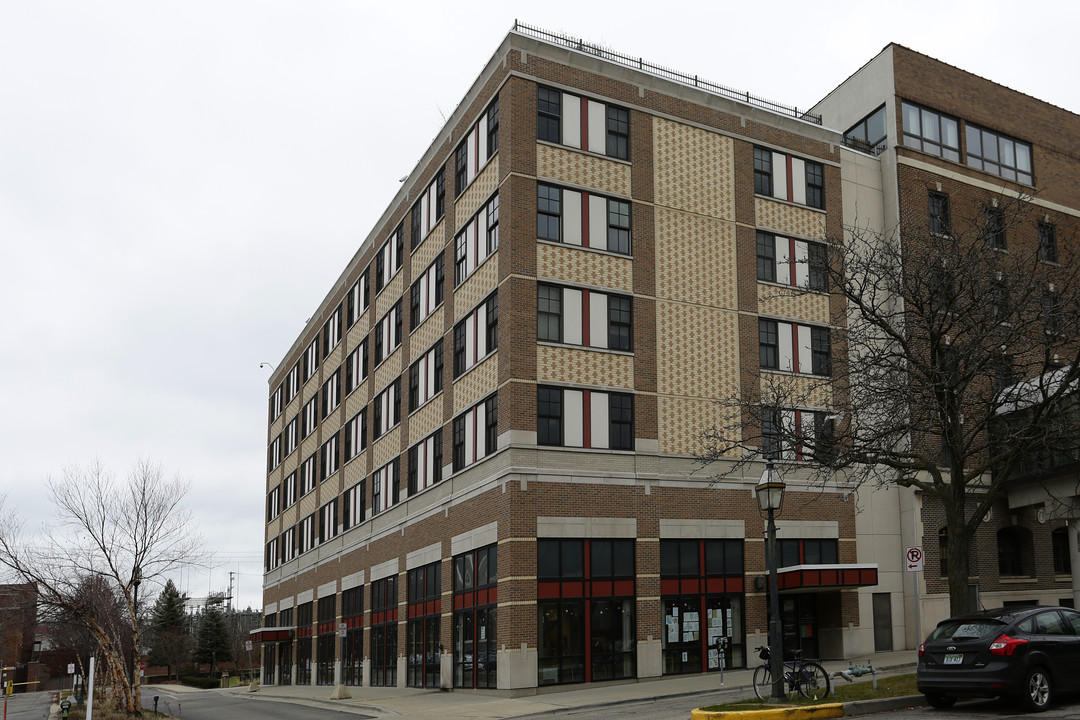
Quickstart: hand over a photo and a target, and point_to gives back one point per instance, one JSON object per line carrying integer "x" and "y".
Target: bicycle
{"x": 806, "y": 677}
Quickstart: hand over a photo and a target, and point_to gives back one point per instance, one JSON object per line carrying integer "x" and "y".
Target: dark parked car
{"x": 1024, "y": 653}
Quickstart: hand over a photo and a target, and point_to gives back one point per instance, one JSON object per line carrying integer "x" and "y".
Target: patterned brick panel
{"x": 693, "y": 169}
{"x": 798, "y": 390}
{"x": 390, "y": 369}
{"x": 357, "y": 332}
{"x": 308, "y": 504}
{"x": 476, "y": 384}
{"x": 476, "y": 288}
{"x": 289, "y": 517}
{"x": 277, "y": 426}
{"x": 590, "y": 171}
{"x": 356, "y": 469}
{"x": 390, "y": 294}
{"x": 331, "y": 362}
{"x": 309, "y": 445}
{"x": 290, "y": 464}
{"x": 583, "y": 266}
{"x": 430, "y": 330}
{"x": 681, "y": 422}
{"x": 574, "y": 365}
{"x": 430, "y": 247}
{"x": 483, "y": 185}
{"x": 697, "y": 350}
{"x": 386, "y": 448}
{"x": 695, "y": 259}
{"x": 789, "y": 219}
{"x": 425, "y": 421}
{"x": 785, "y": 302}
{"x": 330, "y": 425}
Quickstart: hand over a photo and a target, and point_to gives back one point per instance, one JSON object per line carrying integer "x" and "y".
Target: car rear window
{"x": 966, "y": 629}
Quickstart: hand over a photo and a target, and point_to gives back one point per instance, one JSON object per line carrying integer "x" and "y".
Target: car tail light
{"x": 922, "y": 649}
{"x": 1006, "y": 645}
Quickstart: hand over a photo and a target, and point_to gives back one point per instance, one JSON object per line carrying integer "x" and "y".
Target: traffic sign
{"x": 341, "y": 629}
{"x": 71, "y": 668}
{"x": 913, "y": 559}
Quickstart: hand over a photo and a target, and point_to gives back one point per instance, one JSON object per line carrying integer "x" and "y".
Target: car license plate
{"x": 954, "y": 659}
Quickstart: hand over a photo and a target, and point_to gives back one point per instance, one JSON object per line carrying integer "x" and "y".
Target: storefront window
{"x": 384, "y": 632}
{"x": 475, "y": 618}
{"x": 424, "y": 592}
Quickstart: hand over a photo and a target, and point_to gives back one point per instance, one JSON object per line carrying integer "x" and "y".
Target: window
{"x": 386, "y": 410}
{"x": 583, "y": 317}
{"x": 477, "y": 335}
{"x": 288, "y": 544}
{"x": 1000, "y": 304}
{"x": 548, "y": 212}
{"x": 273, "y": 503}
{"x": 311, "y": 359}
{"x": 548, "y": 115}
{"x": 389, "y": 258}
{"x": 416, "y": 216}
{"x": 291, "y": 433}
{"x": 423, "y": 597}
{"x": 274, "y": 453}
{"x": 931, "y": 132}
{"x": 770, "y": 433}
{"x": 618, "y": 237}
{"x": 426, "y": 293}
{"x": 292, "y": 383}
{"x": 1052, "y": 313}
{"x": 388, "y": 333}
{"x": 426, "y": 376}
{"x": 356, "y": 434}
{"x": 1047, "y": 242}
{"x": 869, "y": 133}
{"x": 584, "y": 418}
{"x": 766, "y": 257}
{"x": 1015, "y": 552}
{"x": 492, "y": 212}
{"x": 358, "y": 298}
{"x": 275, "y": 403}
{"x": 356, "y": 366}
{"x": 995, "y": 228}
{"x": 384, "y": 632}
{"x": 332, "y": 332}
{"x": 1059, "y": 541}
{"x": 331, "y": 393}
{"x": 384, "y": 486}
{"x": 769, "y": 344}
{"x": 1000, "y": 155}
{"x": 941, "y": 290}
{"x": 618, "y": 133}
{"x": 1004, "y": 372}
{"x": 477, "y": 241}
{"x": 763, "y": 171}
{"x": 307, "y": 474}
{"x": 476, "y": 433}
{"x": 817, "y": 262}
{"x": 461, "y": 166}
{"x": 289, "y": 485}
{"x": 425, "y": 463}
{"x": 328, "y": 527}
{"x": 306, "y": 532}
{"x": 939, "y": 213}
{"x": 440, "y": 193}
{"x": 311, "y": 416}
{"x": 353, "y": 506}
{"x": 790, "y": 261}
{"x": 819, "y": 348}
{"x": 330, "y": 457}
{"x": 273, "y": 555}
{"x": 493, "y": 127}
{"x": 815, "y": 185}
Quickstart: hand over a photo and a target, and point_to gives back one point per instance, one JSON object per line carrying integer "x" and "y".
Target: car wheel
{"x": 941, "y": 702}
{"x": 1036, "y": 692}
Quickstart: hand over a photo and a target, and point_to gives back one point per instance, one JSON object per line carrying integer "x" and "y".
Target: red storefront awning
{"x": 271, "y": 634}
{"x": 811, "y": 577}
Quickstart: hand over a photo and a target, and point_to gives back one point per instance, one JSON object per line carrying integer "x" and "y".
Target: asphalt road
{"x": 1064, "y": 708}
{"x": 217, "y": 705}
{"x": 29, "y": 706}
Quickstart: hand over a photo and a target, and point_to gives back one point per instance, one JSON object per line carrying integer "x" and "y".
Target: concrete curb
{"x": 868, "y": 707}
{"x": 810, "y": 712}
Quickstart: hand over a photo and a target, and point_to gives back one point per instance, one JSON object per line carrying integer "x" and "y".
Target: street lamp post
{"x": 770, "y": 496}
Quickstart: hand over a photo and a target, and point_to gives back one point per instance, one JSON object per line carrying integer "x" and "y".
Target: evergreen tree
{"x": 170, "y": 641}
{"x": 212, "y": 644}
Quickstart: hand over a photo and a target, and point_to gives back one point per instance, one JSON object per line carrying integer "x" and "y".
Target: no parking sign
{"x": 913, "y": 559}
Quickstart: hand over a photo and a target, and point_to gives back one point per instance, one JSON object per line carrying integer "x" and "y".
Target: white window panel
{"x": 598, "y": 320}
{"x": 598, "y": 221}
{"x": 599, "y": 427}
{"x": 573, "y": 418}
{"x": 787, "y": 353}
{"x": 571, "y": 120}
{"x": 798, "y": 181}
{"x": 779, "y": 164}
{"x": 597, "y": 127}
{"x": 572, "y": 318}
{"x": 806, "y": 363}
{"x": 571, "y": 217}
{"x": 802, "y": 267}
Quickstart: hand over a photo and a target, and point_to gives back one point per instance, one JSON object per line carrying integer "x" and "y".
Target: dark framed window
{"x": 619, "y": 322}
{"x": 618, "y": 234}
{"x": 461, "y": 166}
{"x": 1000, "y": 304}
{"x": 817, "y": 259}
{"x": 820, "y": 350}
{"x": 493, "y": 225}
{"x": 1047, "y": 242}
{"x": 1015, "y": 551}
{"x": 868, "y": 133}
{"x": 1052, "y": 313}
{"x": 768, "y": 344}
{"x": 549, "y": 115}
{"x": 940, "y": 222}
{"x": 493, "y": 127}
{"x": 1059, "y": 542}
{"x": 931, "y": 132}
{"x": 998, "y": 154}
{"x": 549, "y": 313}
{"x": 548, "y": 212}
{"x": 549, "y": 416}
{"x": 415, "y": 470}
{"x": 618, "y": 132}
{"x": 995, "y": 228}
{"x": 414, "y": 225}
{"x": 458, "y": 440}
{"x": 491, "y": 332}
{"x": 763, "y": 171}
{"x": 621, "y": 421}
{"x": 460, "y": 334}
{"x": 766, "y": 257}
{"x": 440, "y": 193}
{"x": 770, "y": 432}
{"x": 491, "y": 424}
{"x": 815, "y": 184}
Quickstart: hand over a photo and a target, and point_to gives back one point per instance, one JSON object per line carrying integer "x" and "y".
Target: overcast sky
{"x": 182, "y": 182}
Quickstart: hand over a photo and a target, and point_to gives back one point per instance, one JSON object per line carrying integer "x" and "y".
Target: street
{"x": 213, "y": 705}
{"x": 1064, "y": 708}
{"x": 28, "y": 706}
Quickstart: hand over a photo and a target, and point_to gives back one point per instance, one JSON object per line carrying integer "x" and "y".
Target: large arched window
{"x": 1059, "y": 541}
{"x": 1016, "y": 555}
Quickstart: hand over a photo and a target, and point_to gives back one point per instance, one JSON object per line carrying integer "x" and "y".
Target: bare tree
{"x": 121, "y": 533}
{"x": 953, "y": 365}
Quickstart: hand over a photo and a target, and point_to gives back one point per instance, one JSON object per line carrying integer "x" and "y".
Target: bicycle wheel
{"x": 763, "y": 682}
{"x": 813, "y": 681}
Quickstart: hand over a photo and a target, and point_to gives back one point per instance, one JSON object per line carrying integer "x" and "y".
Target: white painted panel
{"x": 783, "y": 260}
{"x": 430, "y": 389}
{"x": 787, "y": 419}
{"x": 784, "y": 333}
{"x": 481, "y": 331}
{"x": 572, "y": 316}
{"x": 805, "y": 362}
{"x": 571, "y": 218}
{"x": 384, "y": 569}
{"x": 798, "y": 181}
{"x": 597, "y": 127}
{"x": 356, "y": 579}
{"x": 470, "y": 342}
{"x": 425, "y": 216}
{"x": 431, "y": 290}
{"x": 423, "y": 556}
{"x": 779, "y": 175}
{"x": 327, "y": 589}
{"x": 802, "y": 268}
{"x": 598, "y": 409}
{"x": 481, "y": 418}
{"x": 477, "y": 538}
{"x": 482, "y": 152}
{"x": 598, "y": 329}
{"x": 573, "y": 412}
{"x": 470, "y": 456}
{"x": 471, "y": 251}
{"x": 571, "y": 120}
{"x": 473, "y": 160}
{"x": 598, "y": 222}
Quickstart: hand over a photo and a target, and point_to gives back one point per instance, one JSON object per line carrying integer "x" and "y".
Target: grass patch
{"x": 892, "y": 686}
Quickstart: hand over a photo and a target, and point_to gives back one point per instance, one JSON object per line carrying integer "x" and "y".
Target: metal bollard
{"x": 155, "y": 703}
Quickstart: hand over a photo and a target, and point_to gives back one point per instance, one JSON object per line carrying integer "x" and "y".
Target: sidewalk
{"x": 416, "y": 703}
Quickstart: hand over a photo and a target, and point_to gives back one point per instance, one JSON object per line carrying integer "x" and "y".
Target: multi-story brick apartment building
{"x": 925, "y": 140}
{"x": 482, "y": 450}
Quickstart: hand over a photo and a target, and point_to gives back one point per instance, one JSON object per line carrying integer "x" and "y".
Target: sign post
{"x": 913, "y": 562}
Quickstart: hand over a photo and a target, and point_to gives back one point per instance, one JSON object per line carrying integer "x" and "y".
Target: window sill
{"x": 601, "y": 251}
{"x": 797, "y": 289}
{"x": 609, "y": 351}
{"x": 571, "y": 148}
{"x": 790, "y": 202}
{"x": 792, "y": 373}
{"x": 1017, "y": 579}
